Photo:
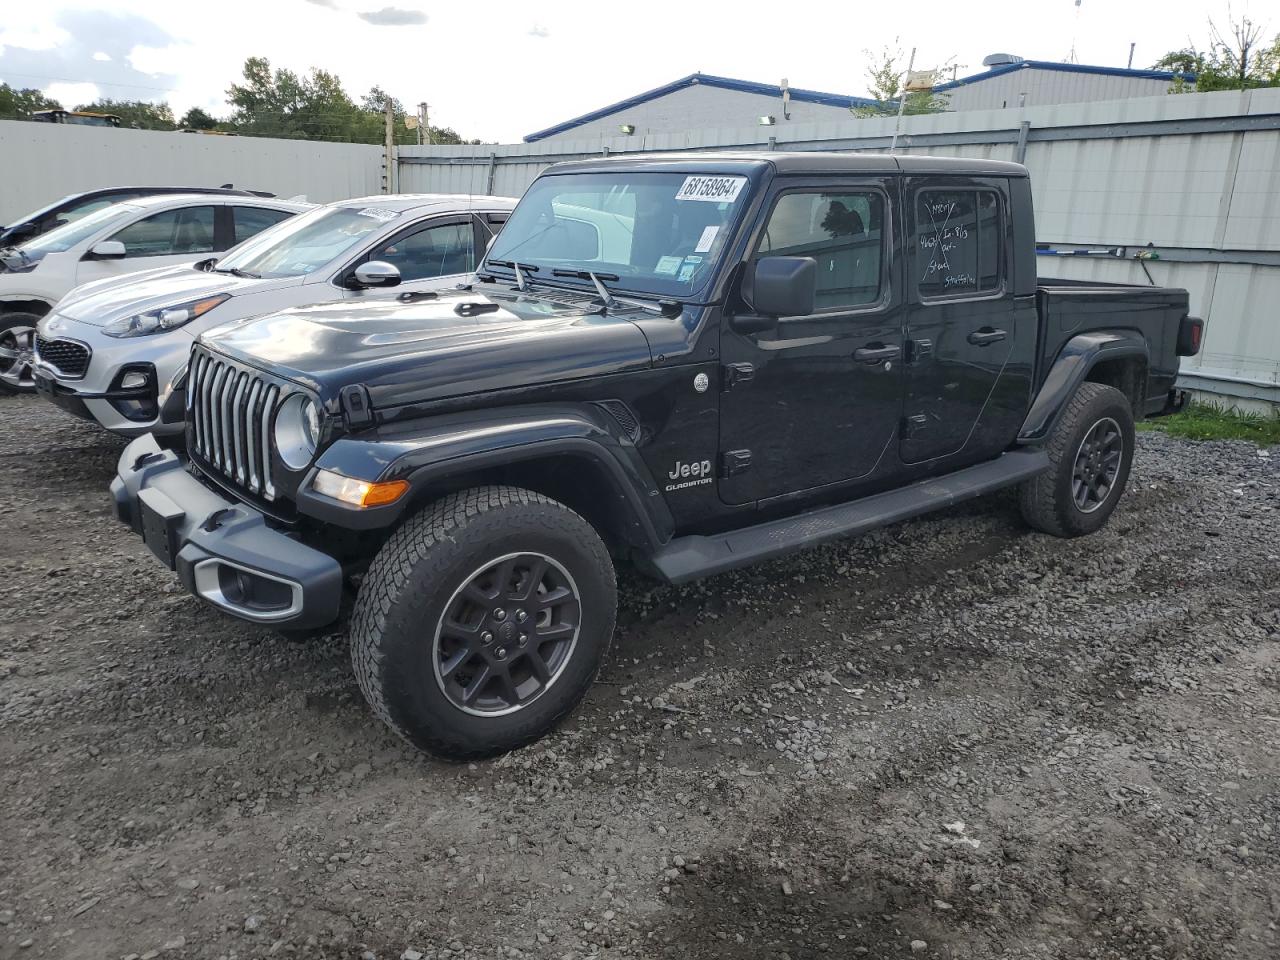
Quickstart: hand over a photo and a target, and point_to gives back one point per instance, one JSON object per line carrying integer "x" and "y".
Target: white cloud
{"x": 102, "y": 57}
{"x": 39, "y": 36}
{"x": 172, "y": 59}
{"x": 538, "y": 30}
{"x": 71, "y": 95}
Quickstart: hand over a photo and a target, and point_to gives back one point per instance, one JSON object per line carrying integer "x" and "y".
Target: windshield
{"x": 62, "y": 239}
{"x": 305, "y": 243}
{"x": 654, "y": 233}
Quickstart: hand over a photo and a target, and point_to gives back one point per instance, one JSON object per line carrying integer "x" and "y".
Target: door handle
{"x": 876, "y": 353}
{"x": 986, "y": 336}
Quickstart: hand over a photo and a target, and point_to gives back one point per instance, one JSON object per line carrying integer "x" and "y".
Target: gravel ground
{"x": 951, "y": 739}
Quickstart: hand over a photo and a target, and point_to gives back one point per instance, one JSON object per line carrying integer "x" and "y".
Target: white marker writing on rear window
{"x": 711, "y": 189}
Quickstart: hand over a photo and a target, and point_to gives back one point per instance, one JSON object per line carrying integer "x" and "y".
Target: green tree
{"x": 1239, "y": 59}
{"x": 197, "y": 119}
{"x": 18, "y": 104}
{"x": 885, "y": 78}
{"x": 280, "y": 103}
{"x": 139, "y": 114}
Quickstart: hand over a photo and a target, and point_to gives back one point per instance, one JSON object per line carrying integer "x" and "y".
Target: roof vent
{"x": 1000, "y": 60}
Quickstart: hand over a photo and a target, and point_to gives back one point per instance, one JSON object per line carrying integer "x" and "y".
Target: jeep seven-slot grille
{"x": 69, "y": 358}
{"x": 229, "y": 411}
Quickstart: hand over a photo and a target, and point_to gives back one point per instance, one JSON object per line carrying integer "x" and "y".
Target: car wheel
{"x": 17, "y": 352}
{"x": 483, "y": 620}
{"x": 1091, "y": 450}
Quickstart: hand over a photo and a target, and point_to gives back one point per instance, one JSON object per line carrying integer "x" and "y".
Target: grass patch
{"x": 1207, "y": 421}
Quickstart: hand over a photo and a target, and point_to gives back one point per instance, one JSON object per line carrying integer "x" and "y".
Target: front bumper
{"x": 100, "y": 393}
{"x": 223, "y": 549}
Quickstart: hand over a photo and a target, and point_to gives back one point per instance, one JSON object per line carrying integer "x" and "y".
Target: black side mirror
{"x": 777, "y": 287}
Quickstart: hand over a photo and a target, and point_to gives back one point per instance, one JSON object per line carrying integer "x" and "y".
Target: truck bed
{"x": 1069, "y": 308}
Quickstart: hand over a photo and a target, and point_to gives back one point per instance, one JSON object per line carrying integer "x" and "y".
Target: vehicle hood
{"x": 104, "y": 301}
{"x": 459, "y": 343}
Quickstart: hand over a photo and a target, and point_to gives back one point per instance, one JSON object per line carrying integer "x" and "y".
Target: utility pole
{"x": 391, "y": 147}
{"x": 423, "y": 129}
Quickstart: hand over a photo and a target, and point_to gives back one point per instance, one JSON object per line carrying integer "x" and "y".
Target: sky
{"x": 498, "y": 70}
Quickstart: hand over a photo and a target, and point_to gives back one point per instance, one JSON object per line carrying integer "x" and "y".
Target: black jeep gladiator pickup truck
{"x": 687, "y": 362}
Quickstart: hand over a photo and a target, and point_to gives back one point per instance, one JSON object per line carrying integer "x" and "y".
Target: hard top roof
{"x": 801, "y": 162}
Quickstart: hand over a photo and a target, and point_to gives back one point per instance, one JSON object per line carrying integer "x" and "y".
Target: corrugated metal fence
{"x": 1196, "y": 177}
{"x": 41, "y": 162}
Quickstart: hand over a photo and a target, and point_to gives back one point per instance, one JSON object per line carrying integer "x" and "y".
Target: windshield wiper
{"x": 596, "y": 278}
{"x": 237, "y": 272}
{"x": 518, "y": 269}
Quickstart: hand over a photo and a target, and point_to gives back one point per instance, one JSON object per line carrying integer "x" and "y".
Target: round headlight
{"x": 297, "y": 431}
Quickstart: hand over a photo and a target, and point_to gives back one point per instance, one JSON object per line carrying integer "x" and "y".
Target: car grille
{"x": 229, "y": 414}
{"x": 69, "y": 358}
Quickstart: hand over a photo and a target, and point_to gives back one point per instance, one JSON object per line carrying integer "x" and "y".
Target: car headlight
{"x": 297, "y": 431}
{"x": 163, "y": 320}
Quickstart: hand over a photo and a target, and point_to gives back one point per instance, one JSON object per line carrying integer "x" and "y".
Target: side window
{"x": 434, "y": 252}
{"x": 251, "y": 220}
{"x": 186, "y": 230}
{"x": 843, "y": 232}
{"x": 957, "y": 242}
{"x": 89, "y": 206}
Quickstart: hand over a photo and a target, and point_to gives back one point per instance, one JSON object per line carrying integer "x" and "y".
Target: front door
{"x": 816, "y": 400}
{"x": 435, "y": 255}
{"x": 164, "y": 239}
{"x": 969, "y": 340}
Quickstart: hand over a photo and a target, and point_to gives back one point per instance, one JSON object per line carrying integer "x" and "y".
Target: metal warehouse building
{"x": 701, "y": 101}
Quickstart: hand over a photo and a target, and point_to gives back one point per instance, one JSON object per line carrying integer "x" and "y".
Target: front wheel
{"x": 482, "y": 621}
{"x": 17, "y": 352}
{"x": 1091, "y": 450}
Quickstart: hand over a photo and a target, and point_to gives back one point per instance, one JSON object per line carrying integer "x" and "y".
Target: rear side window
{"x": 843, "y": 232}
{"x": 251, "y": 220}
{"x": 173, "y": 232}
{"x": 957, "y": 242}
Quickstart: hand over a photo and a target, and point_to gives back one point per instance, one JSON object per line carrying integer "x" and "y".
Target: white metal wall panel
{"x": 1042, "y": 87}
{"x": 41, "y": 162}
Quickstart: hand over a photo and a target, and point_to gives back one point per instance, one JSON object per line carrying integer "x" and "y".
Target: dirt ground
{"x": 952, "y": 739}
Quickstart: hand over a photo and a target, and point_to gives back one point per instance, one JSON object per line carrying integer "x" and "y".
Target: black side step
{"x": 687, "y": 558}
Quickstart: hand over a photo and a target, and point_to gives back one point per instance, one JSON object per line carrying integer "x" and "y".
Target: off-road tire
{"x": 1047, "y": 501}
{"x": 7, "y": 322}
{"x": 415, "y": 576}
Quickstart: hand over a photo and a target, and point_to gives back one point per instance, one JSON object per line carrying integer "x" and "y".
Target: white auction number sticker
{"x": 711, "y": 189}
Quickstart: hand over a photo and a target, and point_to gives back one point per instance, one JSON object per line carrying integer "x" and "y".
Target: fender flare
{"x": 1070, "y": 368}
{"x": 435, "y": 449}
{"x": 27, "y": 298}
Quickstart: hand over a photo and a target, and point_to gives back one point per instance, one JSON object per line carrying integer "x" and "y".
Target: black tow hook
{"x": 215, "y": 519}
{"x": 148, "y": 458}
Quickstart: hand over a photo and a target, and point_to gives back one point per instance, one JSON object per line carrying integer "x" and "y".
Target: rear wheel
{"x": 483, "y": 621}
{"x": 17, "y": 352}
{"x": 1091, "y": 450}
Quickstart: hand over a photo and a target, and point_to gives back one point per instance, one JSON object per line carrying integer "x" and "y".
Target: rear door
{"x": 969, "y": 340}
{"x": 816, "y": 400}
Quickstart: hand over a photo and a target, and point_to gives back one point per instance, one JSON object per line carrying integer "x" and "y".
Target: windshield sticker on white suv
{"x": 381, "y": 215}
{"x": 711, "y": 189}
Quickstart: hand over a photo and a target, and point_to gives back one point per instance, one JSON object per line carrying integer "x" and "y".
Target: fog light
{"x": 358, "y": 493}
{"x": 133, "y": 381}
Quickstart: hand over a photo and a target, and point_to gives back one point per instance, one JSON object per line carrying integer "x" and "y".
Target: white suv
{"x": 115, "y": 241}
{"x": 117, "y": 352}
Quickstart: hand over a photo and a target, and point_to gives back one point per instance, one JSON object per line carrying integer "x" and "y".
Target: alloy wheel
{"x": 1097, "y": 464}
{"x": 507, "y": 634}
{"x": 17, "y": 357}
